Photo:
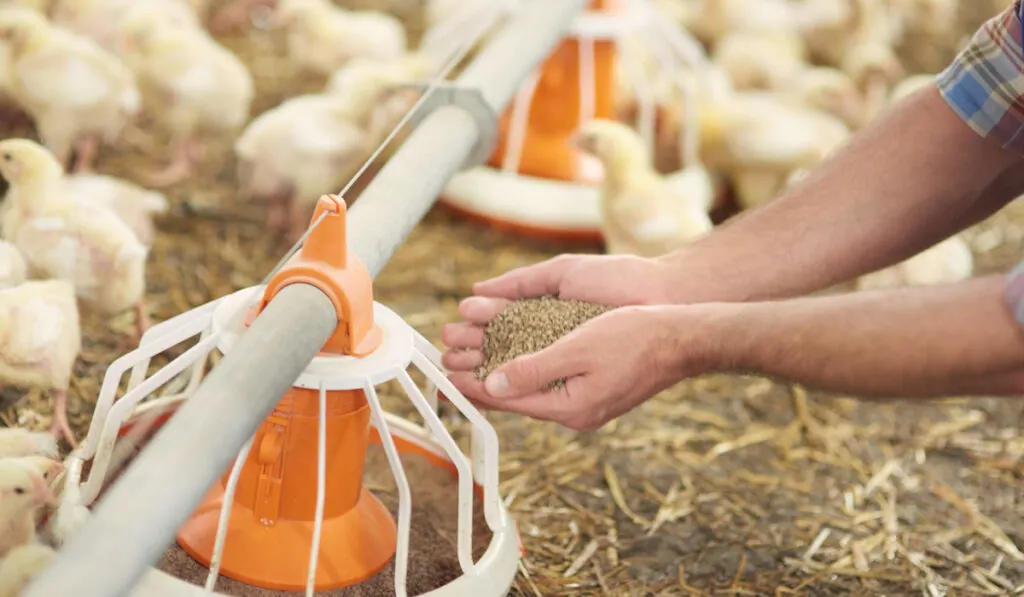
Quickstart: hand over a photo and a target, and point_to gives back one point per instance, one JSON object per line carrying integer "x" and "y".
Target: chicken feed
{"x": 530, "y": 325}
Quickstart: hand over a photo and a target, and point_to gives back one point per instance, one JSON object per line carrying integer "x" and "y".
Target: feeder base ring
{"x": 527, "y": 204}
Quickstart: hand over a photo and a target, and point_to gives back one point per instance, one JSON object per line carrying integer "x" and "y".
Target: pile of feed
{"x": 530, "y": 325}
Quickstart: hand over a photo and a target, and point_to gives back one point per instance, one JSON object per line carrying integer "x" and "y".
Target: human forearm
{"x": 912, "y": 178}
{"x": 921, "y": 342}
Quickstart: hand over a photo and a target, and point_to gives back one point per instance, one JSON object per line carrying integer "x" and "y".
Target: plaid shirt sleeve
{"x": 985, "y": 84}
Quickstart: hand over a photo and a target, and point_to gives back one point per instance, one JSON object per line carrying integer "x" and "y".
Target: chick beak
{"x": 577, "y": 141}
{"x": 44, "y": 495}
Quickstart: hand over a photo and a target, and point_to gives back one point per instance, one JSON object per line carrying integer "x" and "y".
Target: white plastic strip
{"x": 690, "y": 131}
{"x": 588, "y": 75}
{"x": 225, "y": 515}
{"x": 462, "y": 465}
{"x": 518, "y": 122}
{"x": 640, "y": 82}
{"x": 427, "y": 359}
{"x": 379, "y": 421}
{"x": 321, "y": 489}
{"x": 120, "y": 411}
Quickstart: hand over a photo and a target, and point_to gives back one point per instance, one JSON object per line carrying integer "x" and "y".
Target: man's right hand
{"x": 615, "y": 280}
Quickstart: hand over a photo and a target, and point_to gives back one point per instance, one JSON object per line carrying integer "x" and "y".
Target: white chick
{"x": 641, "y": 213}
{"x": 53, "y": 475}
{"x": 78, "y": 93}
{"x": 758, "y": 140}
{"x": 305, "y": 147}
{"x": 709, "y": 20}
{"x": 13, "y": 269}
{"x": 910, "y": 85}
{"x": 99, "y": 19}
{"x": 322, "y": 37}
{"x": 949, "y": 261}
{"x": 22, "y": 491}
{"x": 828, "y": 90}
{"x": 191, "y": 85}
{"x": 39, "y": 341}
{"x": 135, "y": 205}
{"x": 68, "y": 239}
{"x": 875, "y": 68}
{"x": 759, "y": 59}
{"x": 16, "y": 442}
{"x": 21, "y": 565}
{"x": 40, "y": 6}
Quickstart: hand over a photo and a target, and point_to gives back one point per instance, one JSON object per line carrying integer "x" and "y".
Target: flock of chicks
{"x": 90, "y": 73}
{"x": 781, "y": 85}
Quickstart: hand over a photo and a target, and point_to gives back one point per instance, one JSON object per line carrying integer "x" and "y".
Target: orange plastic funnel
{"x": 270, "y": 530}
{"x": 555, "y": 108}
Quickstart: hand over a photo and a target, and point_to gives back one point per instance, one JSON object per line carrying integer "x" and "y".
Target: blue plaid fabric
{"x": 985, "y": 86}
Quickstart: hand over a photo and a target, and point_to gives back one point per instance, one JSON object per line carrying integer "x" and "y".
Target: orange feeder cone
{"x": 270, "y": 530}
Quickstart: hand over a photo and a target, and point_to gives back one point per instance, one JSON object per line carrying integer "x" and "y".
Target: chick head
{"x": 138, "y": 29}
{"x": 24, "y": 161}
{"x": 873, "y": 63}
{"x": 20, "y": 28}
{"x": 616, "y": 145}
{"x": 22, "y": 488}
{"x": 49, "y": 468}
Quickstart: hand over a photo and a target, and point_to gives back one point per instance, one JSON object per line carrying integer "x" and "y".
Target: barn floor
{"x": 721, "y": 486}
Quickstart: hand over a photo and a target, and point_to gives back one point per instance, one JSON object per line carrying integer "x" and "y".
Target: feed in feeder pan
{"x": 298, "y": 483}
{"x": 536, "y": 183}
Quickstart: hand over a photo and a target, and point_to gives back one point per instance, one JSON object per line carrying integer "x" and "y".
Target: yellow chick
{"x": 78, "y": 93}
{"x": 828, "y": 90}
{"x": 949, "y": 261}
{"x": 99, "y": 19}
{"x": 72, "y": 240}
{"x": 760, "y": 59}
{"x": 191, "y": 85}
{"x": 291, "y": 154}
{"x": 40, "y": 6}
{"x": 16, "y": 442}
{"x": 322, "y": 37}
{"x": 22, "y": 491}
{"x": 135, "y": 205}
{"x": 53, "y": 475}
{"x": 13, "y": 269}
{"x": 39, "y": 342}
{"x": 21, "y": 565}
{"x": 875, "y": 68}
{"x": 641, "y": 213}
{"x": 758, "y": 140}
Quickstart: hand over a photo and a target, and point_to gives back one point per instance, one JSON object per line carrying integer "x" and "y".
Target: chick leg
{"x": 142, "y": 320}
{"x": 86, "y": 149}
{"x": 298, "y": 220}
{"x": 179, "y": 168}
{"x": 234, "y": 15}
{"x": 60, "y": 427}
{"x": 277, "y": 212}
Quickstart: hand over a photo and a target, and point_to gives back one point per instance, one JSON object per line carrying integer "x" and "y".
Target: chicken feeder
{"x": 536, "y": 183}
{"x": 292, "y": 514}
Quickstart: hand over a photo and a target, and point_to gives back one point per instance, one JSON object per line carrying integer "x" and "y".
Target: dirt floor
{"x": 721, "y": 486}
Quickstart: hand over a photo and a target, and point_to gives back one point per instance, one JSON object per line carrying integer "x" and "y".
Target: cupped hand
{"x": 614, "y": 280}
{"x": 610, "y": 364}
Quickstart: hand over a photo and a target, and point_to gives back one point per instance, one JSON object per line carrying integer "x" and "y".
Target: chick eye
{"x": 6, "y": 157}
{"x": 19, "y": 490}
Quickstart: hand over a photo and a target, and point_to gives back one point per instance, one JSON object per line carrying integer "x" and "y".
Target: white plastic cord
{"x": 518, "y": 123}
{"x": 321, "y": 482}
{"x": 588, "y": 75}
{"x": 640, "y": 82}
{"x": 225, "y": 514}
{"x": 404, "y": 492}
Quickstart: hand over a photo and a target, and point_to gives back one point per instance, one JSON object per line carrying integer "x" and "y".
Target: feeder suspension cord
{"x": 135, "y": 523}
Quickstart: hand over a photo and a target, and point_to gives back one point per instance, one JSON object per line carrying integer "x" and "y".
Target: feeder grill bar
{"x": 138, "y": 519}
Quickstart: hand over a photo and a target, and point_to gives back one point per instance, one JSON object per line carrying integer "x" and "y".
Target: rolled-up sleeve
{"x": 985, "y": 84}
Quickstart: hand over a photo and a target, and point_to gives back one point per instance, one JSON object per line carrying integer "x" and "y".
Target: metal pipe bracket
{"x": 470, "y": 99}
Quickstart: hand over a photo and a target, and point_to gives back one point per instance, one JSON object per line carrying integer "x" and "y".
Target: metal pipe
{"x": 139, "y": 517}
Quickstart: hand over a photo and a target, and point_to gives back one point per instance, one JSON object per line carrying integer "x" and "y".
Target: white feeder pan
{"x": 492, "y": 575}
{"x": 549, "y": 205}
